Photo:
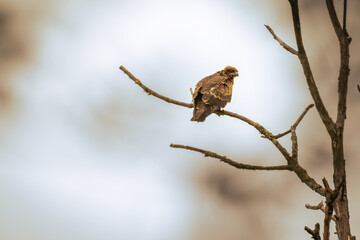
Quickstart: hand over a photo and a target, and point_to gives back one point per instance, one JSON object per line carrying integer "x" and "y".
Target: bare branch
{"x": 296, "y": 122}
{"x": 305, "y": 178}
{"x": 295, "y": 167}
{"x": 229, "y": 161}
{"x": 314, "y": 233}
{"x": 151, "y": 92}
{"x": 263, "y": 131}
{"x": 344, "y": 41}
{"x": 281, "y": 42}
{"x": 325, "y": 117}
{"x": 282, "y": 134}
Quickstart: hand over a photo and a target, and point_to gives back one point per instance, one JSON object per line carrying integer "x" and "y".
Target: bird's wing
{"x": 205, "y": 84}
{"x": 215, "y": 90}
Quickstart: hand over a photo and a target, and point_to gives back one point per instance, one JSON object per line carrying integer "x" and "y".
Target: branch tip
{"x": 281, "y": 42}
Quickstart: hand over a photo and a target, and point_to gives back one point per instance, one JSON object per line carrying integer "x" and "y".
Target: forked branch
{"x": 296, "y": 122}
{"x": 314, "y": 233}
{"x": 292, "y": 163}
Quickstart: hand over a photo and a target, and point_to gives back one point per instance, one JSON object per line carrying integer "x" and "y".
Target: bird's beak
{"x": 237, "y": 75}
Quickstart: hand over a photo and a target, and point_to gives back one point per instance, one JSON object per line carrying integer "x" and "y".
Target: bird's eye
{"x": 231, "y": 70}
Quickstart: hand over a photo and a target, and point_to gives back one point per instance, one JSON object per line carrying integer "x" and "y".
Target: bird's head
{"x": 231, "y": 71}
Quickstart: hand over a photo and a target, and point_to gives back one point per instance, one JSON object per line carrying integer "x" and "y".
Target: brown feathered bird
{"x": 213, "y": 93}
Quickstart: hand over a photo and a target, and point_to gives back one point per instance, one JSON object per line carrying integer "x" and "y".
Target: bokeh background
{"x": 84, "y": 152}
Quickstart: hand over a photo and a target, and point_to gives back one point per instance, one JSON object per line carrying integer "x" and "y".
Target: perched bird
{"x": 213, "y": 92}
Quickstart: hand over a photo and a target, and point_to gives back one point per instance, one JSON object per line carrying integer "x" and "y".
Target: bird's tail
{"x": 202, "y": 111}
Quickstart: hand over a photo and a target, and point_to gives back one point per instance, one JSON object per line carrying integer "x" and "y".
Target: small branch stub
{"x": 314, "y": 233}
{"x": 321, "y": 207}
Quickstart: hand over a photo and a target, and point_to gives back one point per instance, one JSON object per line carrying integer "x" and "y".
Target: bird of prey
{"x": 213, "y": 92}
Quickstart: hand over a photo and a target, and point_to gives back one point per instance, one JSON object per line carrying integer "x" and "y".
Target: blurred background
{"x": 85, "y": 154}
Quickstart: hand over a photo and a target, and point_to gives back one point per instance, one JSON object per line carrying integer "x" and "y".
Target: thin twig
{"x": 314, "y": 233}
{"x": 296, "y": 122}
{"x": 151, "y": 92}
{"x": 281, "y": 42}
{"x": 302, "y": 115}
{"x": 229, "y": 161}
